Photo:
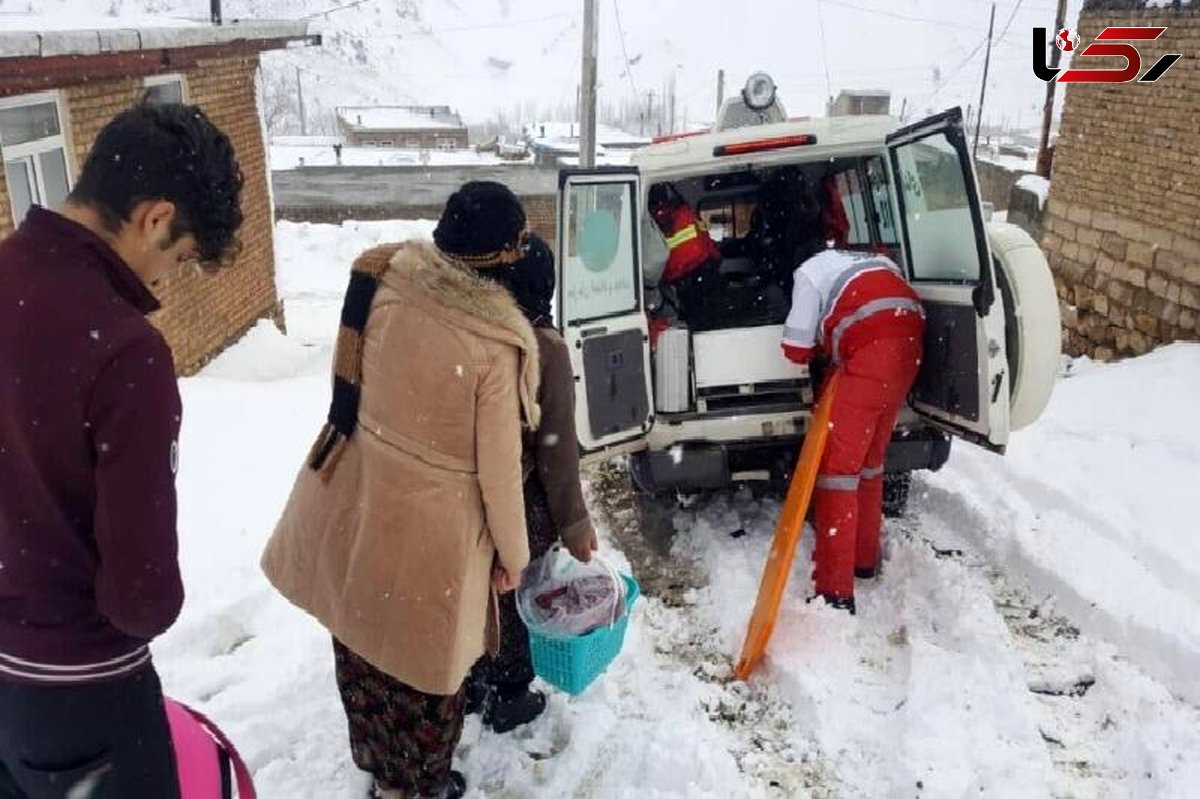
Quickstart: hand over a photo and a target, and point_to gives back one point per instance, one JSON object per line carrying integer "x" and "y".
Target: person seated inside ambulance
{"x": 693, "y": 261}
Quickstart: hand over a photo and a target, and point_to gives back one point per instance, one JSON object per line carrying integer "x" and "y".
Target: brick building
{"x": 412, "y": 127}
{"x": 1122, "y": 226}
{"x": 59, "y": 88}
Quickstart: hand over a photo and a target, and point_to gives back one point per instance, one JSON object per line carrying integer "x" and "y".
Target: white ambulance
{"x": 716, "y": 403}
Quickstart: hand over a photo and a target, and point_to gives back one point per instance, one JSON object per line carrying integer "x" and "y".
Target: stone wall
{"x": 202, "y": 313}
{"x": 996, "y": 182}
{"x": 1122, "y": 226}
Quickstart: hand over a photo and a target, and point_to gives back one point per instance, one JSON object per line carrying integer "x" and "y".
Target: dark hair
{"x": 167, "y": 152}
{"x": 530, "y": 281}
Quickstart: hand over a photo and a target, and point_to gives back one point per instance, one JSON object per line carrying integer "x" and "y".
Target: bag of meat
{"x": 562, "y": 597}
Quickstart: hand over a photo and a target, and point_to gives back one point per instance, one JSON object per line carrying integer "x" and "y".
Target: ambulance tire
{"x": 896, "y": 487}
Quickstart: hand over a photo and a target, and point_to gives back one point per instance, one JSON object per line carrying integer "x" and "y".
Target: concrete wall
{"x": 1121, "y": 228}
{"x": 202, "y": 313}
{"x": 335, "y": 194}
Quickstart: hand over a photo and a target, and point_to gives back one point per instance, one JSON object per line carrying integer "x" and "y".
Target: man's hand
{"x": 504, "y": 582}
{"x": 582, "y": 547}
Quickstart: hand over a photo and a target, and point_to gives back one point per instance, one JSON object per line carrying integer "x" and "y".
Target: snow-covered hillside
{"x": 1033, "y": 632}
{"x": 521, "y": 57}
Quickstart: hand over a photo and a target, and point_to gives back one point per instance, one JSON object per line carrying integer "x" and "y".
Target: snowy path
{"x": 947, "y": 681}
{"x": 1036, "y": 631}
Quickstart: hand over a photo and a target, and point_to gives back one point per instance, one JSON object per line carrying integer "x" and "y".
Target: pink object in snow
{"x": 205, "y": 758}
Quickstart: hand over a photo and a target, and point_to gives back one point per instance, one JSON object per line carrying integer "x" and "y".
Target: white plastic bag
{"x": 562, "y": 597}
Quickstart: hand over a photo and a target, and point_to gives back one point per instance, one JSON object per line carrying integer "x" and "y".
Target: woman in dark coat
{"x": 554, "y": 505}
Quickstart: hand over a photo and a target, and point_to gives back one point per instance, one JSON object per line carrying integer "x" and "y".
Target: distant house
{"x": 58, "y": 88}
{"x": 410, "y": 127}
{"x": 861, "y": 102}
{"x": 556, "y": 143}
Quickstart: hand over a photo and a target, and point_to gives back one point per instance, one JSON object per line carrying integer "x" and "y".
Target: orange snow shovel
{"x": 787, "y": 535}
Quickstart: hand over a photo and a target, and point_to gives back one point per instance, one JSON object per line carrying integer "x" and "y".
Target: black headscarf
{"x": 530, "y": 281}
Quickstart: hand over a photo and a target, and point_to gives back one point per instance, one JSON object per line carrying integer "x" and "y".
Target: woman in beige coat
{"x": 410, "y": 509}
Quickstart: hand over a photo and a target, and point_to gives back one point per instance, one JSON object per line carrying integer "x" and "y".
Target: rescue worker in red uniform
{"x": 692, "y": 255}
{"x": 862, "y": 315}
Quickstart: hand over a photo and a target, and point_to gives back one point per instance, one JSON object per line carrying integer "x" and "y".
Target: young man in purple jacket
{"x": 89, "y": 423}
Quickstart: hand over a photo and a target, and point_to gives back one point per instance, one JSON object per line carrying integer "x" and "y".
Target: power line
{"x": 824, "y": 51}
{"x": 624, "y": 51}
{"x": 906, "y": 18}
{"x": 958, "y": 68}
{"x": 1008, "y": 24}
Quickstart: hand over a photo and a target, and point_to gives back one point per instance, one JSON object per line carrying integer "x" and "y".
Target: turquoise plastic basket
{"x": 572, "y": 664}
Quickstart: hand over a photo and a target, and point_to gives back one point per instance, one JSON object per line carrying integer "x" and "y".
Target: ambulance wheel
{"x": 896, "y": 488}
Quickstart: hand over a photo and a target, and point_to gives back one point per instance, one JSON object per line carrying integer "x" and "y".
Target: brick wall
{"x": 1122, "y": 226}
{"x": 202, "y": 314}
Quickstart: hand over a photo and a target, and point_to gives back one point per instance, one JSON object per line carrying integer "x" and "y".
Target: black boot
{"x": 839, "y": 603}
{"x": 456, "y": 786}
{"x": 477, "y": 694}
{"x": 508, "y": 709}
{"x": 865, "y": 574}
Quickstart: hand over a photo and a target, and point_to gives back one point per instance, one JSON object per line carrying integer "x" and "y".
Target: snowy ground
{"x": 1035, "y": 631}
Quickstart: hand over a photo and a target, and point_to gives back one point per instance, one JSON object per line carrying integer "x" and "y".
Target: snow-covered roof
{"x": 56, "y": 34}
{"x": 865, "y": 93}
{"x": 606, "y": 135}
{"x": 293, "y": 156}
{"x": 400, "y": 117}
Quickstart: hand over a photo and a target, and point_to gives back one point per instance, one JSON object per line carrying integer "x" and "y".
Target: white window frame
{"x": 29, "y": 151}
{"x": 164, "y": 80}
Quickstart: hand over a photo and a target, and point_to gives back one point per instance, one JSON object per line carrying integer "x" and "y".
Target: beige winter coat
{"x": 394, "y": 553}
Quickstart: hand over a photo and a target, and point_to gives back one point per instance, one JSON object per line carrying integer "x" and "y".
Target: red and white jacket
{"x": 843, "y": 300}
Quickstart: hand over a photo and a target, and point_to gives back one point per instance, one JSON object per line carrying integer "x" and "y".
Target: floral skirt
{"x": 510, "y": 671}
{"x": 403, "y": 737}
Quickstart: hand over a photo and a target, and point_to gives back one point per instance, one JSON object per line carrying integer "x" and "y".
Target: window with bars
{"x": 35, "y": 153}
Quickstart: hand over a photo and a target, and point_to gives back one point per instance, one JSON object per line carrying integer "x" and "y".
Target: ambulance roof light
{"x": 759, "y": 92}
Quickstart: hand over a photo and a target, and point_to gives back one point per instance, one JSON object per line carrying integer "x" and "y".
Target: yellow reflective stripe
{"x": 682, "y": 237}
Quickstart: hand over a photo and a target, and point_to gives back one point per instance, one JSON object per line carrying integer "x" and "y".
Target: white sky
{"x": 485, "y": 56}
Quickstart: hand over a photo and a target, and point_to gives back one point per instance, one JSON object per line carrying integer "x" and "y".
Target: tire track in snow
{"x": 768, "y": 751}
{"x": 1109, "y": 728}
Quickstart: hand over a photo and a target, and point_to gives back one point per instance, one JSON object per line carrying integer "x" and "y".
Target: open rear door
{"x": 600, "y": 307}
{"x": 963, "y": 383}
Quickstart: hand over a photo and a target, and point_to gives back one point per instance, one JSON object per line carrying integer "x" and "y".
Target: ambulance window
{"x": 599, "y": 266}
{"x": 881, "y": 201}
{"x": 850, "y": 193}
{"x": 937, "y": 210}
{"x": 728, "y": 218}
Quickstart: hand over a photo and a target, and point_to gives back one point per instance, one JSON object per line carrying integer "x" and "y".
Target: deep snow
{"x": 1068, "y": 566}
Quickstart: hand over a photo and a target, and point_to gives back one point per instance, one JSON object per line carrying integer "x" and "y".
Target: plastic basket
{"x": 572, "y": 664}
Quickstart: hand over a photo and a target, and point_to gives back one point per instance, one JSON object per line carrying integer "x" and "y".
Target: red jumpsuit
{"x": 859, "y": 310}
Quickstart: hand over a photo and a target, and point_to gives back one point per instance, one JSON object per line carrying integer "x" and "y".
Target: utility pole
{"x": 720, "y": 89}
{"x": 987, "y": 61}
{"x": 672, "y": 117}
{"x": 649, "y": 108}
{"x": 1043, "y": 156}
{"x": 587, "y": 110}
{"x": 300, "y": 94}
